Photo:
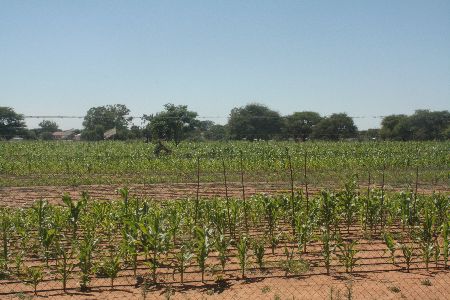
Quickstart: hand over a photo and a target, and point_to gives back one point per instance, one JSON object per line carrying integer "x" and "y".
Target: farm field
{"x": 328, "y": 163}
{"x": 271, "y": 220}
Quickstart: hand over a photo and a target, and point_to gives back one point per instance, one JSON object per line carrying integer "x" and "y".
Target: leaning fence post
{"x": 306, "y": 182}
{"x": 243, "y": 193}
{"x": 367, "y": 202}
{"x": 416, "y": 191}
{"x": 198, "y": 190}
{"x": 382, "y": 197}
{"x": 226, "y": 195}
{"x": 292, "y": 191}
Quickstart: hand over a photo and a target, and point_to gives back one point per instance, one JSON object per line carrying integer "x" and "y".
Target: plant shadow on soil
{"x": 253, "y": 280}
{"x": 75, "y": 292}
{"x": 216, "y": 287}
{"x": 346, "y": 277}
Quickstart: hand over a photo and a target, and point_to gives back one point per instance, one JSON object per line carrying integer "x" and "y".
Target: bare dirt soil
{"x": 25, "y": 196}
{"x": 417, "y": 284}
{"x": 375, "y": 277}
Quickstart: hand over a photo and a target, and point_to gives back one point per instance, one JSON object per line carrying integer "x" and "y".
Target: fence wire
{"x": 386, "y": 235}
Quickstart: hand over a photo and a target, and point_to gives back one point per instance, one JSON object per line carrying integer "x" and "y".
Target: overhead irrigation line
{"x": 170, "y": 117}
{"x": 53, "y": 117}
{"x": 254, "y": 135}
{"x": 127, "y": 117}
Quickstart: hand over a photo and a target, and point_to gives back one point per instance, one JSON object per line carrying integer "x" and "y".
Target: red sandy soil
{"x": 25, "y": 196}
{"x": 386, "y": 285}
{"x": 374, "y": 278}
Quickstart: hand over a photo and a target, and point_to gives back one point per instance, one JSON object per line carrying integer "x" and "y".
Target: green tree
{"x": 101, "y": 118}
{"x": 300, "y": 125}
{"x": 446, "y": 133}
{"x": 205, "y": 125}
{"x": 216, "y": 132}
{"x": 147, "y": 133}
{"x": 11, "y": 123}
{"x": 429, "y": 125}
{"x": 30, "y": 134}
{"x": 198, "y": 134}
{"x": 254, "y": 121}
{"x": 395, "y": 127}
{"x": 136, "y": 132}
{"x": 174, "y": 123}
{"x": 422, "y": 125}
{"x": 46, "y": 128}
{"x": 335, "y": 127}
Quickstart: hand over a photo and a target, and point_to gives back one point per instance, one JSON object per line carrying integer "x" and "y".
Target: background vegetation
{"x": 250, "y": 122}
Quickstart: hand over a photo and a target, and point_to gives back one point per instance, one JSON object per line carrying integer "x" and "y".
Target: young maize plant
{"x": 130, "y": 244}
{"x": 242, "y": 248}
{"x": 391, "y": 245}
{"x": 124, "y": 193}
{"x": 48, "y": 236}
{"x": 441, "y": 205}
{"x": 304, "y": 231}
{"x": 235, "y": 216}
{"x": 406, "y": 210}
{"x": 426, "y": 236}
{"x": 258, "y": 252}
{"x": 86, "y": 249}
{"x": 271, "y": 209}
{"x": 288, "y": 265}
{"x": 40, "y": 211}
{"x": 445, "y": 238}
{"x": 154, "y": 239}
{"x": 347, "y": 254}
{"x": 328, "y": 210}
{"x": 25, "y": 243}
{"x": 175, "y": 220}
{"x": 372, "y": 210}
{"x": 221, "y": 245}
{"x": 182, "y": 260}
{"x": 437, "y": 253}
{"x": 202, "y": 247}
{"x": 111, "y": 266}
{"x": 408, "y": 254}
{"x": 64, "y": 265}
{"x": 7, "y": 230}
{"x": 218, "y": 217}
{"x": 33, "y": 276}
{"x": 328, "y": 248}
{"x": 75, "y": 208}
{"x": 348, "y": 199}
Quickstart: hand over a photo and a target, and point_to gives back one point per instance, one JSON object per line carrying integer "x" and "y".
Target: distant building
{"x": 64, "y": 135}
{"x": 109, "y": 134}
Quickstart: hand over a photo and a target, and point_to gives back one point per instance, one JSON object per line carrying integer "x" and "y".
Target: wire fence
{"x": 105, "y": 163}
{"x": 207, "y": 178}
{"x": 231, "y": 230}
{"x": 189, "y": 249}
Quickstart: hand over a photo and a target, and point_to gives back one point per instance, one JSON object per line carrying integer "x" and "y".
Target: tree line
{"x": 250, "y": 122}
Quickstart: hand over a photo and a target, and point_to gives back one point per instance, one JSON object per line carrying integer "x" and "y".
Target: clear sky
{"x": 365, "y": 58}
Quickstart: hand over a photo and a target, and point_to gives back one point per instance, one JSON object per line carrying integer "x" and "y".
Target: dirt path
{"x": 25, "y": 196}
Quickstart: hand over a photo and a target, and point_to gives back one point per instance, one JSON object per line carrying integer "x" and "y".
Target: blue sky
{"x": 365, "y": 58}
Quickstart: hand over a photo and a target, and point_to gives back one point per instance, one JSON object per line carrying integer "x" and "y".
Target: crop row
{"x": 63, "y": 163}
